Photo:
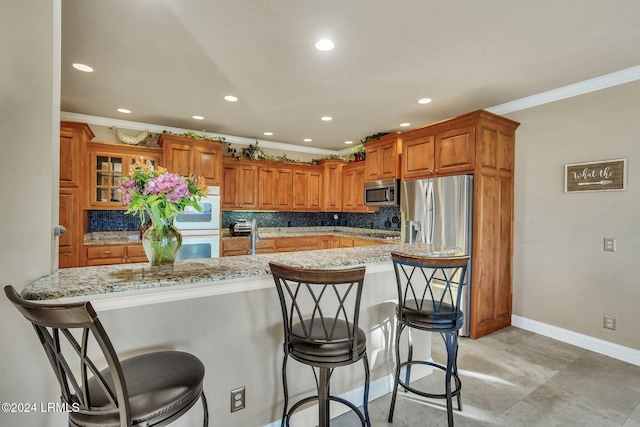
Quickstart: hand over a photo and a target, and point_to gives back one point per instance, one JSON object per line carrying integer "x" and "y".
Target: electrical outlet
{"x": 237, "y": 399}
{"x": 610, "y": 322}
{"x": 609, "y": 244}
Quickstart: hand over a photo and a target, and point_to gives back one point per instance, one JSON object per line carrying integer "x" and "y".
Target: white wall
{"x": 29, "y": 125}
{"x": 562, "y": 276}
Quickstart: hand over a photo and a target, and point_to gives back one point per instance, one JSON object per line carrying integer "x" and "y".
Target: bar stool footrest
{"x": 455, "y": 377}
{"x": 306, "y": 400}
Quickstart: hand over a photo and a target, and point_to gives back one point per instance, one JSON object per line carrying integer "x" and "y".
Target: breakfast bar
{"x": 226, "y": 312}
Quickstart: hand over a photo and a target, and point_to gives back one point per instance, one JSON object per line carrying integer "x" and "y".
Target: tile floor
{"x": 518, "y": 378}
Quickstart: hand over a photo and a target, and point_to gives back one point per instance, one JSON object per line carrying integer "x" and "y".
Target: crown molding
{"x": 608, "y": 80}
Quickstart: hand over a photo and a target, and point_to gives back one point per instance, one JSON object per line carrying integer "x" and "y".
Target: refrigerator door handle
{"x": 431, "y": 214}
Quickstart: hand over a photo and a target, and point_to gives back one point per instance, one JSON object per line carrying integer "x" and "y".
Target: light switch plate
{"x": 609, "y": 244}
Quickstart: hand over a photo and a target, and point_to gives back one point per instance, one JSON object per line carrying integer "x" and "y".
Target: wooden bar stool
{"x": 429, "y": 295}
{"x": 320, "y": 311}
{"x": 152, "y": 389}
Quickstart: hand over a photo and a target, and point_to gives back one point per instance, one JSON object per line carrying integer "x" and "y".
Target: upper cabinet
{"x": 186, "y": 156}
{"x": 307, "y": 188}
{"x": 239, "y": 184}
{"x": 383, "y": 158}
{"x": 108, "y": 163}
{"x": 446, "y": 148}
{"x": 332, "y": 184}
{"x": 353, "y": 179}
{"x": 275, "y": 187}
{"x": 72, "y": 139}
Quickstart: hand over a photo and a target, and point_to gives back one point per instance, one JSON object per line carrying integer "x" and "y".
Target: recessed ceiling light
{"x": 424, "y": 101}
{"x": 124, "y": 111}
{"x": 230, "y": 98}
{"x": 404, "y": 125}
{"x": 324, "y": 45}
{"x": 327, "y": 118}
{"x": 307, "y": 140}
{"x": 197, "y": 117}
{"x": 82, "y": 67}
{"x": 268, "y": 133}
{"x": 348, "y": 142}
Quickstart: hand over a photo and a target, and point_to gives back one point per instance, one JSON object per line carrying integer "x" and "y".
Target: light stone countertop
{"x": 133, "y": 237}
{"x": 112, "y": 279}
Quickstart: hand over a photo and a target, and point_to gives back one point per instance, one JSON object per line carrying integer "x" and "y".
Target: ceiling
{"x": 167, "y": 60}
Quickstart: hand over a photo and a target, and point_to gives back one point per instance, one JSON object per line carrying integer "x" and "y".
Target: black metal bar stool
{"x": 429, "y": 295}
{"x": 152, "y": 389}
{"x": 320, "y": 311}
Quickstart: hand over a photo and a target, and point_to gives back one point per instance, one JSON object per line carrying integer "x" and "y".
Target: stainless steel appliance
{"x": 201, "y": 229}
{"x": 381, "y": 193}
{"x": 240, "y": 227}
{"x": 440, "y": 211}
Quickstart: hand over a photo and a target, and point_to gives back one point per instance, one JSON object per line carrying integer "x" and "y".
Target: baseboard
{"x": 616, "y": 351}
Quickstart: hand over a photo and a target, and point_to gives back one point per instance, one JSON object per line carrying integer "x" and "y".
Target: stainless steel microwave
{"x": 382, "y": 193}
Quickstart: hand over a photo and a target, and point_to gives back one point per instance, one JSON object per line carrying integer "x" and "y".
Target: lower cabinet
{"x": 114, "y": 254}
{"x": 231, "y": 247}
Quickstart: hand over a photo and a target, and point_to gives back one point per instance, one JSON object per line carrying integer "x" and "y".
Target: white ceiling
{"x": 167, "y": 60}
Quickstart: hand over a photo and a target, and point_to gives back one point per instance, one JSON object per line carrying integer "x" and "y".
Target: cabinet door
{"x": 314, "y": 190}
{"x": 454, "y": 151}
{"x": 359, "y": 190}
{"x": 373, "y": 162}
{"x": 284, "y": 190}
{"x": 333, "y": 187}
{"x": 248, "y": 186}
{"x": 274, "y": 188}
{"x": 418, "y": 157}
{"x": 388, "y": 161}
{"x": 70, "y": 213}
{"x": 348, "y": 189}
{"x": 267, "y": 188}
{"x": 106, "y": 176}
{"x": 69, "y": 158}
{"x": 179, "y": 158}
{"x": 207, "y": 162}
{"x": 229, "y": 198}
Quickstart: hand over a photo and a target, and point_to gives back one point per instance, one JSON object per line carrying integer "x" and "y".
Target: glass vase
{"x": 161, "y": 242}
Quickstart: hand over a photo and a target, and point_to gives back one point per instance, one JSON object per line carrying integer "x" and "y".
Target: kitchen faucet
{"x": 253, "y": 236}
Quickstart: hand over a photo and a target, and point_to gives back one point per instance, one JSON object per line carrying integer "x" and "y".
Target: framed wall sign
{"x": 610, "y": 175}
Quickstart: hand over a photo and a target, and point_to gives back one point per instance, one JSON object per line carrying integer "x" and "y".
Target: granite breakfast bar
{"x": 226, "y": 311}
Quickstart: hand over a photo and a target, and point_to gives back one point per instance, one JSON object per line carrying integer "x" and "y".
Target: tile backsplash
{"x": 388, "y": 218}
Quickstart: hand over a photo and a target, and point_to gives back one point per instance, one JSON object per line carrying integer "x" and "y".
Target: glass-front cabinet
{"x": 108, "y": 163}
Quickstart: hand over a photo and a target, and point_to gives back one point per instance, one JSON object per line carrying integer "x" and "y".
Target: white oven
{"x": 207, "y": 219}
{"x": 196, "y": 244}
{"x": 201, "y": 230}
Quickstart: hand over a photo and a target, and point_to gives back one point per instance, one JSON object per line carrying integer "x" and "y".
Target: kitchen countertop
{"x": 133, "y": 237}
{"x": 89, "y": 282}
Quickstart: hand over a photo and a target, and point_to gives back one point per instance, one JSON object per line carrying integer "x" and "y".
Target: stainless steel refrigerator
{"x": 440, "y": 211}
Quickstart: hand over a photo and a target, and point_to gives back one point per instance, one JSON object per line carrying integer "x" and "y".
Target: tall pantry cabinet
{"x": 73, "y": 138}
{"x": 482, "y": 144}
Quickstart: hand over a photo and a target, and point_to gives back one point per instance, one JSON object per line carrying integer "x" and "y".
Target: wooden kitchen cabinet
{"x": 491, "y": 293}
{"x": 383, "y": 158}
{"x": 332, "y": 185}
{"x": 275, "y": 188}
{"x": 73, "y": 137}
{"x": 239, "y": 185}
{"x": 108, "y": 164}
{"x": 114, "y": 254}
{"x": 307, "y": 188}
{"x": 438, "y": 150}
{"x": 197, "y": 156}
{"x": 353, "y": 179}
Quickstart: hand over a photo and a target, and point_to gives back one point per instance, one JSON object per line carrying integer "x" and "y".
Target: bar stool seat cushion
{"x": 319, "y": 348}
{"x": 157, "y": 383}
{"x": 424, "y": 317}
